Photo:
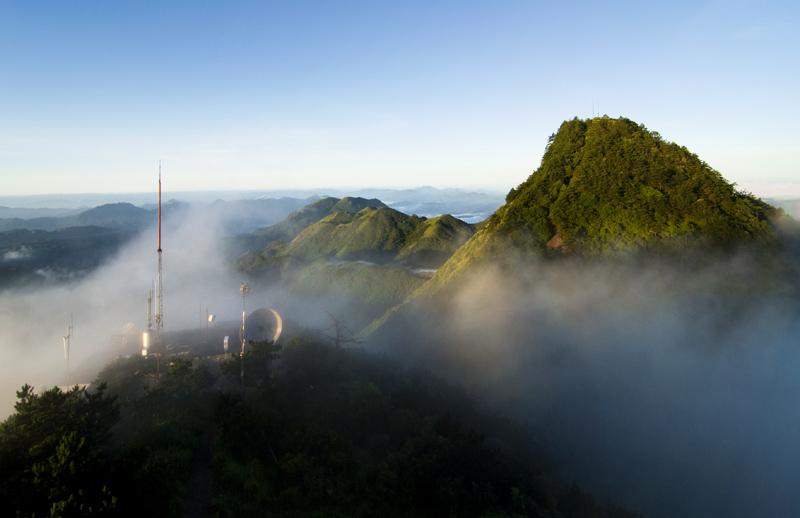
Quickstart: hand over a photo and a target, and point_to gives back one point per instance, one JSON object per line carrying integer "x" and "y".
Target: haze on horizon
{"x": 273, "y": 95}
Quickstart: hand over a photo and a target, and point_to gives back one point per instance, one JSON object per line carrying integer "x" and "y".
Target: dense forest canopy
{"x": 323, "y": 432}
{"x": 611, "y": 189}
{"x": 609, "y": 185}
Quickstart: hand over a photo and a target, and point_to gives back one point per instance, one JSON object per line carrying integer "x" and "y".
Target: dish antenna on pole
{"x": 263, "y": 324}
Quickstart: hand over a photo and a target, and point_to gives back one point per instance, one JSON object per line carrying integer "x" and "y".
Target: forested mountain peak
{"x": 611, "y": 188}
{"x": 610, "y": 185}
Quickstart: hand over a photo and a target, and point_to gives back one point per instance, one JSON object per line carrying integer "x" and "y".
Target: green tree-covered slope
{"x": 372, "y": 234}
{"x": 610, "y": 188}
{"x": 296, "y": 222}
{"x": 381, "y": 235}
{"x": 324, "y": 431}
{"x": 367, "y": 262}
{"x": 435, "y": 240}
{"x": 610, "y": 185}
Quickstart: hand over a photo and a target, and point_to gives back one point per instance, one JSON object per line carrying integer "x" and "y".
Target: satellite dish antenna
{"x": 263, "y": 324}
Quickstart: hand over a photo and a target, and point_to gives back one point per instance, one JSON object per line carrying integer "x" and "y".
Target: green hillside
{"x": 435, "y": 240}
{"x": 610, "y": 185}
{"x": 297, "y": 221}
{"x": 367, "y": 261}
{"x": 372, "y": 234}
{"x": 381, "y": 235}
{"x": 610, "y": 188}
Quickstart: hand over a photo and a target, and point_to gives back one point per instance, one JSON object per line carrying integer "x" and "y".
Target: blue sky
{"x": 313, "y": 94}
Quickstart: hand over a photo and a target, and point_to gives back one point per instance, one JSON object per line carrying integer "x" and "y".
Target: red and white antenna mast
{"x": 159, "y": 299}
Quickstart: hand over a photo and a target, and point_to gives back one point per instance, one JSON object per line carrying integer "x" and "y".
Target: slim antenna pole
{"x": 67, "y": 339}
{"x": 159, "y": 205}
{"x": 244, "y": 290}
{"x": 159, "y": 294}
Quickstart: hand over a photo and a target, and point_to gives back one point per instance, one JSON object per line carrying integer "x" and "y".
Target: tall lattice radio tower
{"x": 159, "y": 298}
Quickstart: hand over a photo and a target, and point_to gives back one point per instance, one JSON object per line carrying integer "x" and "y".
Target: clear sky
{"x": 382, "y": 93}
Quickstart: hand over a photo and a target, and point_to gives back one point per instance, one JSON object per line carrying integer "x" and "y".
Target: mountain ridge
{"x": 299, "y": 220}
{"x": 611, "y": 189}
{"x": 381, "y": 235}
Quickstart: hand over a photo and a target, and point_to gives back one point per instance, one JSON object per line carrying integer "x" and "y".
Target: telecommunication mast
{"x": 159, "y": 298}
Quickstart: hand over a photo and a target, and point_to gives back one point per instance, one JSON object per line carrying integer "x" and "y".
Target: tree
{"x": 53, "y": 452}
{"x": 257, "y": 360}
{"x": 342, "y": 333}
{"x": 64, "y": 479}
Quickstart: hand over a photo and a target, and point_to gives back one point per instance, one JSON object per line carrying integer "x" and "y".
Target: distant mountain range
{"x": 117, "y": 215}
{"x": 423, "y": 201}
{"x": 273, "y": 219}
{"x": 243, "y": 211}
{"x": 239, "y": 214}
{"x": 30, "y": 213}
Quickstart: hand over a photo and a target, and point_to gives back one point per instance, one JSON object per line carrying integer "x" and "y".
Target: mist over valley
{"x": 627, "y": 302}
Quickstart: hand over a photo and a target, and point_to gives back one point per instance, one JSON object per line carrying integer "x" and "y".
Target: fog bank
{"x": 660, "y": 388}
{"x": 196, "y": 275}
